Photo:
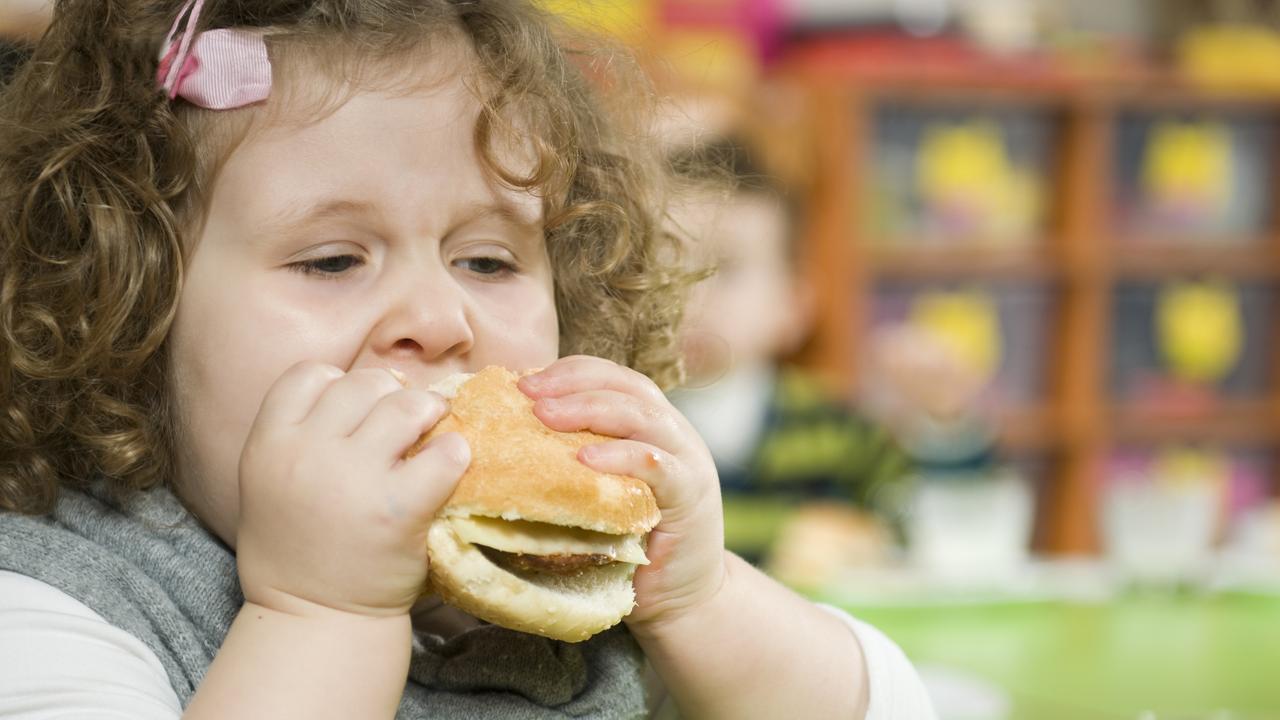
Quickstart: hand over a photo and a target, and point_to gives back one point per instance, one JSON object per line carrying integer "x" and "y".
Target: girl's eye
{"x": 328, "y": 266}
{"x": 486, "y": 266}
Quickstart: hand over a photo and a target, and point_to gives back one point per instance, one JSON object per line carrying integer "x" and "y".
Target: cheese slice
{"x": 535, "y": 538}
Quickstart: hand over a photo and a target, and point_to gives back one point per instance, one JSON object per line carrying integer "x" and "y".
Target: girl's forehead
{"x": 310, "y": 86}
{"x": 309, "y": 82}
{"x": 410, "y": 156}
{"x": 319, "y": 107}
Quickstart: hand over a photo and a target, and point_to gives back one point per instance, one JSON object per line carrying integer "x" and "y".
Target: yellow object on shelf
{"x": 1232, "y": 56}
{"x": 1188, "y": 164}
{"x": 1200, "y": 330}
{"x": 628, "y": 20}
{"x": 967, "y": 323}
{"x": 967, "y": 179}
{"x": 718, "y": 60}
{"x": 1182, "y": 466}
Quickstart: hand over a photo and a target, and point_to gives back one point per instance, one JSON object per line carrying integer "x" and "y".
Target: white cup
{"x": 971, "y": 527}
{"x": 1159, "y": 533}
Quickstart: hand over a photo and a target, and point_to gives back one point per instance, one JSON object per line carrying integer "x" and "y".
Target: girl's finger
{"x": 616, "y": 414}
{"x": 578, "y": 373}
{"x": 293, "y": 395}
{"x": 345, "y": 404}
{"x": 397, "y": 420}
{"x": 426, "y": 480}
{"x": 658, "y": 469}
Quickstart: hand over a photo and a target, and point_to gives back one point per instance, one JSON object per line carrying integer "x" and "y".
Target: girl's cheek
{"x": 524, "y": 310}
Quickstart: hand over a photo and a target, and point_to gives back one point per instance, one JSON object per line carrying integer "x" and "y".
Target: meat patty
{"x": 551, "y": 564}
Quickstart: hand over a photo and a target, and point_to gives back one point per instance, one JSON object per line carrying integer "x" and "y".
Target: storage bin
{"x": 947, "y": 175}
{"x": 1020, "y": 317}
{"x": 1163, "y": 509}
{"x": 1192, "y": 176}
{"x": 1222, "y": 351}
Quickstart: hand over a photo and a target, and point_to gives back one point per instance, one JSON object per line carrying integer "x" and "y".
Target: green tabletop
{"x": 1181, "y": 657}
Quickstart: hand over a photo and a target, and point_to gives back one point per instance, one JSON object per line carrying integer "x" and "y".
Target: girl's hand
{"x": 331, "y": 515}
{"x": 657, "y": 445}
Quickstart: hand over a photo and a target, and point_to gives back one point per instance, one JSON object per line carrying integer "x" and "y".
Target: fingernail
{"x": 399, "y": 376}
{"x": 532, "y": 382}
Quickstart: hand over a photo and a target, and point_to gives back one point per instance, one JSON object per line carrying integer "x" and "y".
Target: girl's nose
{"x": 427, "y": 320}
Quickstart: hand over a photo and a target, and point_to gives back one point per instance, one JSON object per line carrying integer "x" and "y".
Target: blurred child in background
{"x": 786, "y": 450}
{"x": 921, "y": 388}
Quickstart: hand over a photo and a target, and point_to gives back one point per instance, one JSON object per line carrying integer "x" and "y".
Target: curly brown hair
{"x": 103, "y": 182}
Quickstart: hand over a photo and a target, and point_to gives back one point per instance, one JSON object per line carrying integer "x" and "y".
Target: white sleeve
{"x": 59, "y": 659}
{"x": 894, "y": 689}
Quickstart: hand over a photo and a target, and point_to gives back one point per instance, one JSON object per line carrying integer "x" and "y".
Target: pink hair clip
{"x": 216, "y": 69}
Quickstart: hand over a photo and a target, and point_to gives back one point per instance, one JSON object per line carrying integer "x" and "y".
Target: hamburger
{"x": 532, "y": 539}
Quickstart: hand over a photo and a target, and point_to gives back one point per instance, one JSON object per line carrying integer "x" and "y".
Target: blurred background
{"x": 990, "y": 356}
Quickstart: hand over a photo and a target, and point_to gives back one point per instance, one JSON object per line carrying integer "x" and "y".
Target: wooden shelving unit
{"x": 1083, "y": 257}
{"x": 1148, "y": 260}
{"x": 924, "y": 263}
{"x": 1247, "y": 423}
{"x": 1033, "y": 431}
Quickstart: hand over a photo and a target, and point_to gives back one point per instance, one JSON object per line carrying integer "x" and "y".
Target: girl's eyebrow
{"x": 320, "y": 211}
{"x": 506, "y": 213}
{"x": 525, "y": 222}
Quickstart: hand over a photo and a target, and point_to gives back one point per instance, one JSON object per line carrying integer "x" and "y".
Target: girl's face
{"x": 369, "y": 238}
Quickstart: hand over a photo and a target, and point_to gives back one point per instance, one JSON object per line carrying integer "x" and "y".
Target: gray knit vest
{"x": 151, "y": 569}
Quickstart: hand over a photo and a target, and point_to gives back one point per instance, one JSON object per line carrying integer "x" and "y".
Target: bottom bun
{"x": 570, "y": 608}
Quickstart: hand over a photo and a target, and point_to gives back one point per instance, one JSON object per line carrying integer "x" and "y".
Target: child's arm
{"x": 330, "y": 547}
{"x": 728, "y": 641}
{"x": 757, "y": 650}
{"x": 319, "y": 663}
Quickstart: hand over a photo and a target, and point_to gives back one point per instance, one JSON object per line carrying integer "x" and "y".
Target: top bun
{"x": 522, "y": 470}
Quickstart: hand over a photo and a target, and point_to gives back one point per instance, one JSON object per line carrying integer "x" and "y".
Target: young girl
{"x": 223, "y": 226}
